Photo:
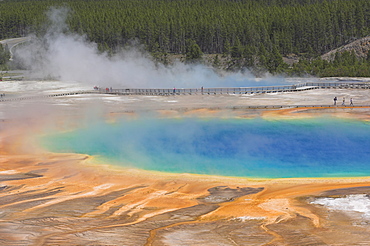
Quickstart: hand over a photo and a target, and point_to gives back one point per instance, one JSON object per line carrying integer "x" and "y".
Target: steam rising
{"x": 65, "y": 56}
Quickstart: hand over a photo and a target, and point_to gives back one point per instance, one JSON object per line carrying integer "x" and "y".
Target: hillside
{"x": 360, "y": 48}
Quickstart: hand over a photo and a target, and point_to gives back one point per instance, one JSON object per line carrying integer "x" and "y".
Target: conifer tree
{"x": 193, "y": 52}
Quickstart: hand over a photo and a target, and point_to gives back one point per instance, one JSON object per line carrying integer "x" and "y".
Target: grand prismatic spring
{"x": 254, "y": 148}
{"x": 185, "y": 170}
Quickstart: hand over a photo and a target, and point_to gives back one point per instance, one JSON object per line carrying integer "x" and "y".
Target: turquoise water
{"x": 258, "y": 148}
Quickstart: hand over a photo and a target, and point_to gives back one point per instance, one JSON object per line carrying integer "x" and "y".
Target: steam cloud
{"x": 71, "y": 57}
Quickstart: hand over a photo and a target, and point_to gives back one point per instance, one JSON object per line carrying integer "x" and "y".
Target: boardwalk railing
{"x": 204, "y": 91}
{"x": 209, "y": 91}
{"x": 238, "y": 90}
{"x": 339, "y": 85}
{"x": 6, "y": 97}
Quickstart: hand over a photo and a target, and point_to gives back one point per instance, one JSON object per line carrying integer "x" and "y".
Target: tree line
{"x": 4, "y": 57}
{"x": 345, "y": 64}
{"x": 252, "y": 33}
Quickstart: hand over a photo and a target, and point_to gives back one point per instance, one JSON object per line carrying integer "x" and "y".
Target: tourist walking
{"x": 335, "y": 100}
{"x": 351, "y": 101}
{"x": 344, "y": 101}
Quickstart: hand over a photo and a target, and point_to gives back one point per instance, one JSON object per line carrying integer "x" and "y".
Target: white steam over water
{"x": 71, "y": 57}
{"x": 351, "y": 203}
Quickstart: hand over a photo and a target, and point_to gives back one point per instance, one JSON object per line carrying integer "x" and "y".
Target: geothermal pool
{"x": 254, "y": 148}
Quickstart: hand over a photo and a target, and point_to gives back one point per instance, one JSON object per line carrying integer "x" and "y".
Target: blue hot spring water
{"x": 256, "y": 148}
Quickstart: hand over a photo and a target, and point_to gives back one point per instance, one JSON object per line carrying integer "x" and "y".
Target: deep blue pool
{"x": 258, "y": 148}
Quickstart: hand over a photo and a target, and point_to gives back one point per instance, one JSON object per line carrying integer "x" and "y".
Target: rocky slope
{"x": 360, "y": 47}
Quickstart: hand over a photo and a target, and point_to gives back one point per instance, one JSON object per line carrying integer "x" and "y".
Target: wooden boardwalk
{"x": 202, "y": 91}
{"x": 5, "y": 98}
{"x": 208, "y": 91}
{"x": 237, "y": 90}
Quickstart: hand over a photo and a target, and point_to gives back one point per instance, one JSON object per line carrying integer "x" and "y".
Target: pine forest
{"x": 232, "y": 34}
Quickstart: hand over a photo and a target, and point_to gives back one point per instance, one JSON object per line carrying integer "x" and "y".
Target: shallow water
{"x": 320, "y": 147}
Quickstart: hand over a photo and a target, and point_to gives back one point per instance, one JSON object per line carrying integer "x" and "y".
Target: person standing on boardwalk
{"x": 344, "y": 101}
{"x": 335, "y": 100}
{"x": 351, "y": 101}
